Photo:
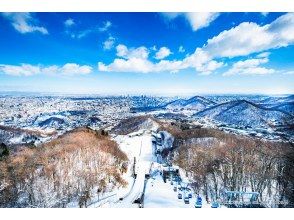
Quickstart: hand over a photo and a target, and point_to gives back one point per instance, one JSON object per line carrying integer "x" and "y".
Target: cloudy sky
{"x": 147, "y": 53}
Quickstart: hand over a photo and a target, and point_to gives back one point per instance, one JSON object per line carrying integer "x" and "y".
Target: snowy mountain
{"x": 274, "y": 100}
{"x": 48, "y": 113}
{"x": 243, "y": 113}
{"x": 196, "y": 103}
{"x": 287, "y": 107}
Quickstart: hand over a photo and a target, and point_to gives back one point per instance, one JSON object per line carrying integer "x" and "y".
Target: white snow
{"x": 161, "y": 195}
{"x": 139, "y": 147}
{"x": 157, "y": 193}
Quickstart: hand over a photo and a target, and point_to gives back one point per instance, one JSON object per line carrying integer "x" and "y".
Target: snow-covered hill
{"x": 133, "y": 124}
{"x": 274, "y": 100}
{"x": 196, "y": 103}
{"x": 243, "y": 113}
{"x": 281, "y": 103}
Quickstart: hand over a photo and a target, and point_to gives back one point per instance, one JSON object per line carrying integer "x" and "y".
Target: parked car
{"x": 198, "y": 203}
{"x": 180, "y": 196}
{"x": 182, "y": 188}
{"x": 214, "y": 205}
{"x": 186, "y": 200}
{"x": 190, "y": 195}
{"x": 175, "y": 188}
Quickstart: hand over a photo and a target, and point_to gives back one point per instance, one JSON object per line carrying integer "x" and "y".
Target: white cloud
{"x": 75, "y": 69}
{"x": 29, "y": 70}
{"x": 136, "y": 60}
{"x": 249, "y": 37}
{"x": 106, "y": 26}
{"x": 250, "y": 71}
{"x": 121, "y": 50}
{"x": 109, "y": 43}
{"x": 168, "y": 66}
{"x": 140, "y": 65}
{"x": 202, "y": 62}
{"x": 22, "y": 70}
{"x": 249, "y": 67}
{"x": 162, "y": 53}
{"x": 69, "y": 22}
{"x": 24, "y": 23}
{"x": 290, "y": 72}
{"x": 181, "y": 49}
{"x": 263, "y": 55}
{"x": 130, "y": 65}
{"x": 264, "y": 13}
{"x": 140, "y": 52}
{"x": 200, "y": 20}
{"x": 197, "y": 20}
{"x": 83, "y": 33}
{"x": 242, "y": 40}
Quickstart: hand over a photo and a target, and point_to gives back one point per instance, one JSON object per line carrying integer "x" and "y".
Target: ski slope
{"x": 139, "y": 147}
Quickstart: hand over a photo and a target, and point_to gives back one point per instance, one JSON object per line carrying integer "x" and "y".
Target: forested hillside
{"x": 216, "y": 161}
{"x": 70, "y": 170}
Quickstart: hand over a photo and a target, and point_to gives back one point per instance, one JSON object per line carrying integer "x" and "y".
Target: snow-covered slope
{"x": 196, "y": 103}
{"x": 274, "y": 100}
{"x": 280, "y": 103}
{"x": 287, "y": 107}
{"x": 243, "y": 113}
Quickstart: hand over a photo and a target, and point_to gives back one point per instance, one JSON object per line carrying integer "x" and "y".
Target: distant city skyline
{"x": 147, "y": 53}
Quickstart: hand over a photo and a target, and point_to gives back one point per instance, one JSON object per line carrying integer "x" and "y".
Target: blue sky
{"x": 147, "y": 53}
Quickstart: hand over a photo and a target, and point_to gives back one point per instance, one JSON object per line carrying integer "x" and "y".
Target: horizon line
{"x": 136, "y": 94}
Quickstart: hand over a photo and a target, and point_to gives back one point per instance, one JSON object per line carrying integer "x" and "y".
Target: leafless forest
{"x": 77, "y": 167}
{"x": 217, "y": 161}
